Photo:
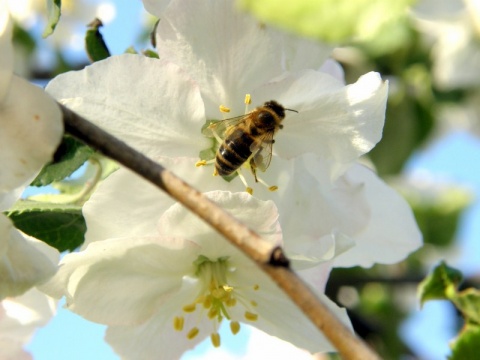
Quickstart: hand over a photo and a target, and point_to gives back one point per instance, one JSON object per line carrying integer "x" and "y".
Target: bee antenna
{"x": 292, "y": 110}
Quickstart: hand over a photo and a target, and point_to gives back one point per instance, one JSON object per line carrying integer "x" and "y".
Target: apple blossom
{"x": 29, "y": 135}
{"x": 162, "y": 292}
{"x": 19, "y": 318}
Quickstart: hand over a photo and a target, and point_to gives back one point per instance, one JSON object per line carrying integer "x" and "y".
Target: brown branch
{"x": 270, "y": 259}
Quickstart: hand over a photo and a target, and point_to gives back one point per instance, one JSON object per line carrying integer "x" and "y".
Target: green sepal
{"x": 151, "y": 54}
{"x": 94, "y": 44}
{"x": 61, "y": 226}
{"x": 54, "y": 10}
{"x": 468, "y": 302}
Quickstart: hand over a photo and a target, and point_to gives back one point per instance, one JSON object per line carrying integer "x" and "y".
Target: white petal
{"x": 221, "y": 48}
{"x": 278, "y": 316}
{"x": 127, "y": 205}
{"x": 121, "y": 281}
{"x": 336, "y": 122}
{"x": 392, "y": 232}
{"x": 150, "y": 104}
{"x": 156, "y": 7}
{"x": 32, "y": 127}
{"x": 24, "y": 261}
{"x": 6, "y": 50}
{"x": 262, "y": 217}
{"x": 157, "y": 339}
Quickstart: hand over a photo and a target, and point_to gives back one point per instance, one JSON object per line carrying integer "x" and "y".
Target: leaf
{"x": 440, "y": 284}
{"x": 466, "y": 346}
{"x": 60, "y": 226}
{"x": 70, "y": 155}
{"x": 468, "y": 302}
{"x": 94, "y": 44}
{"x": 330, "y": 20}
{"x": 53, "y": 17}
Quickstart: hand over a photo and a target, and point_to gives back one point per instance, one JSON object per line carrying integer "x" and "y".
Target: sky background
{"x": 453, "y": 158}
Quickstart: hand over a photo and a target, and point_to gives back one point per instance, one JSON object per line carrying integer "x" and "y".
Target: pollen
{"x": 178, "y": 322}
{"x": 200, "y": 163}
{"x": 249, "y": 190}
{"x": 248, "y": 99}
{"x": 224, "y": 109}
{"x": 215, "y": 301}
{"x": 193, "y": 333}
{"x": 215, "y": 338}
{"x": 251, "y": 316}
{"x": 189, "y": 308}
{"x": 273, "y": 188}
{"x": 234, "y": 327}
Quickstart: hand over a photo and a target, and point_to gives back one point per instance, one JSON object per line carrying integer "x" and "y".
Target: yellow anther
{"x": 227, "y": 288}
{"x": 192, "y": 333}
{"x": 250, "y": 316}
{"x": 248, "y": 99}
{"x": 215, "y": 337}
{"x": 207, "y": 302}
{"x": 201, "y": 163}
{"x": 273, "y": 188}
{"x": 234, "y": 327}
{"x": 254, "y": 303}
{"x": 213, "y": 312}
{"x": 215, "y": 172}
{"x": 231, "y": 302}
{"x": 189, "y": 308}
{"x": 249, "y": 190}
{"x": 178, "y": 322}
{"x": 224, "y": 109}
{"x": 256, "y": 287}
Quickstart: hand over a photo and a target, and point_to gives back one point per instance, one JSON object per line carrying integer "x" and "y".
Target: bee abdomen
{"x": 233, "y": 152}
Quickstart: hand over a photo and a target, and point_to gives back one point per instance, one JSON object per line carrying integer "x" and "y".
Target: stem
{"x": 270, "y": 259}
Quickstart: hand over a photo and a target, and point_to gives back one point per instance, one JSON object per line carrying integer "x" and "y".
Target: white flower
{"x": 455, "y": 25}
{"x": 212, "y": 56}
{"x": 31, "y": 129}
{"x": 163, "y": 292}
{"x": 19, "y": 318}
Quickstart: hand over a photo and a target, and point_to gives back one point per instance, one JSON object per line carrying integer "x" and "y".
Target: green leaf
{"x": 441, "y": 284}
{"x": 60, "y": 226}
{"x": 54, "y": 12}
{"x": 466, "y": 346}
{"x": 70, "y": 155}
{"x": 151, "y": 54}
{"x": 94, "y": 44}
{"x": 330, "y": 20}
{"x": 468, "y": 302}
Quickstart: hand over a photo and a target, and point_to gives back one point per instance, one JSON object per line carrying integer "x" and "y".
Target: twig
{"x": 271, "y": 259}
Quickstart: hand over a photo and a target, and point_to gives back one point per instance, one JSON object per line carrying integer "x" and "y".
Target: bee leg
{"x": 253, "y": 168}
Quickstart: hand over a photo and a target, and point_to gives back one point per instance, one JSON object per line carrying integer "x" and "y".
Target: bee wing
{"x": 262, "y": 152}
{"x": 222, "y": 127}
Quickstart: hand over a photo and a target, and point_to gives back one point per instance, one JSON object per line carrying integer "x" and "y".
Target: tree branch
{"x": 270, "y": 259}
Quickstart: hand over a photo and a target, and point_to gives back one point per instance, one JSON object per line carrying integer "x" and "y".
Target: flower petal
{"x": 30, "y": 134}
{"x": 121, "y": 281}
{"x": 6, "y": 50}
{"x": 157, "y": 338}
{"x": 336, "y": 122}
{"x": 392, "y": 232}
{"x": 24, "y": 261}
{"x": 137, "y": 99}
{"x": 228, "y": 53}
{"x": 156, "y": 7}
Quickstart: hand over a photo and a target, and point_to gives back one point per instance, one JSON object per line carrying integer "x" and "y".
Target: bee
{"x": 248, "y": 138}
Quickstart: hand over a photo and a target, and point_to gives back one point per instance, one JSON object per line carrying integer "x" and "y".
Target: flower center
{"x": 215, "y": 301}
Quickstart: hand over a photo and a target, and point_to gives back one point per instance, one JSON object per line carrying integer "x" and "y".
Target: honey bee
{"x": 247, "y": 138}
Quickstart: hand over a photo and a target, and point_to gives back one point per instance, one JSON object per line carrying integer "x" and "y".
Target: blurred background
{"x": 430, "y": 152}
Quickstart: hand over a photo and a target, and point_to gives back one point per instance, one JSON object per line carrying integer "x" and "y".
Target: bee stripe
{"x": 233, "y": 152}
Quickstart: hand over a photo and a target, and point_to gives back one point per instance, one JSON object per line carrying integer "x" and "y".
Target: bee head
{"x": 277, "y": 108}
